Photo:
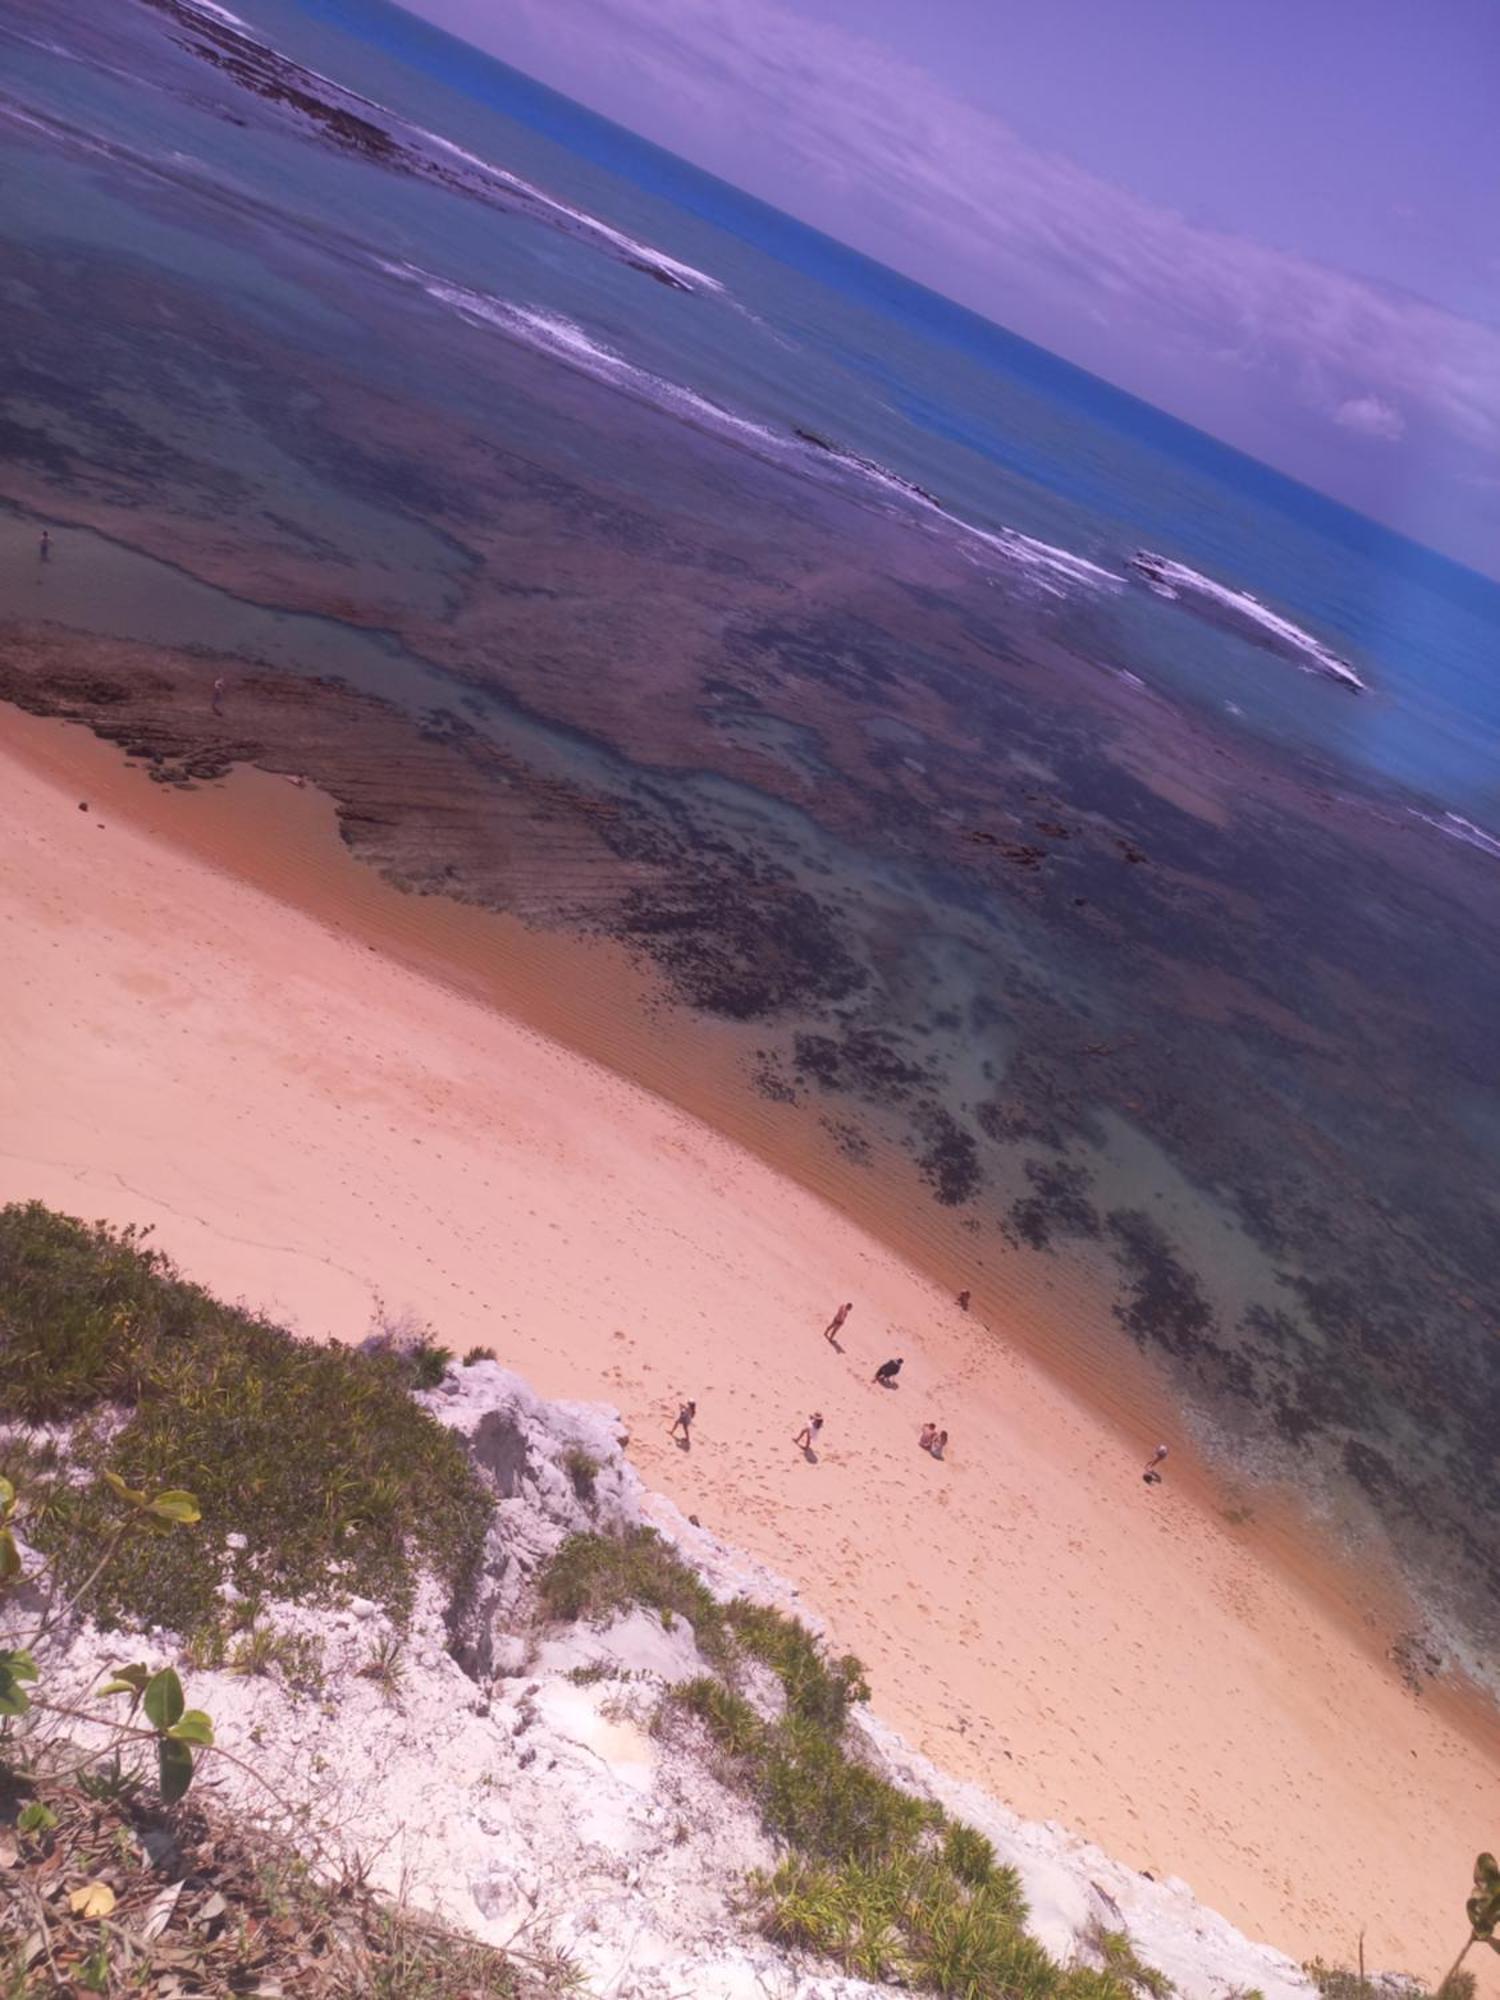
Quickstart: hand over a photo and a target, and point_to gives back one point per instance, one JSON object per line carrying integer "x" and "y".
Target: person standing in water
{"x": 44, "y": 547}
{"x": 835, "y": 1325}
{"x": 218, "y": 696}
{"x": 1151, "y": 1476}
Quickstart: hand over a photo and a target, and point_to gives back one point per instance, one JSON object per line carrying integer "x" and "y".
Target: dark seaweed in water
{"x": 948, "y": 1158}
{"x": 865, "y": 1061}
{"x": 1164, "y": 1303}
{"x": 1058, "y": 1204}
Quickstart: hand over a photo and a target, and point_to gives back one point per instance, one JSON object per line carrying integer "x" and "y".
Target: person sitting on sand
{"x": 887, "y": 1372}
{"x": 684, "y": 1422}
{"x": 939, "y": 1444}
{"x": 1151, "y": 1476}
{"x": 831, "y": 1331}
{"x": 807, "y": 1437}
{"x": 926, "y": 1436}
{"x": 963, "y": 1301}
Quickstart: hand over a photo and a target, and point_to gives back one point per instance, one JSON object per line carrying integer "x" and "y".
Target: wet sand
{"x": 216, "y": 1021}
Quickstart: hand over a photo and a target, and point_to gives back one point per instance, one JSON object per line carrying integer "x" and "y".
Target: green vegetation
{"x": 1119, "y": 1956}
{"x": 583, "y": 1472}
{"x": 883, "y": 1883}
{"x": 1336, "y": 1982}
{"x": 594, "y": 1576}
{"x": 316, "y": 1456}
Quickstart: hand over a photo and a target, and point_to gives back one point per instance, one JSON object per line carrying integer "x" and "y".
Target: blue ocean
{"x": 785, "y": 328}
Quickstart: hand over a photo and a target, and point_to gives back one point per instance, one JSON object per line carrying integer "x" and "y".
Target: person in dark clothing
{"x": 887, "y": 1372}
{"x": 684, "y": 1423}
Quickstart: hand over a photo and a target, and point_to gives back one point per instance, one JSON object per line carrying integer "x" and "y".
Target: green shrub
{"x": 908, "y": 1920}
{"x": 818, "y": 1689}
{"x": 583, "y": 1473}
{"x": 428, "y": 1365}
{"x": 820, "y": 1801}
{"x": 971, "y": 1857}
{"x": 1122, "y": 1960}
{"x": 729, "y": 1718}
{"x": 316, "y": 1455}
{"x": 594, "y": 1576}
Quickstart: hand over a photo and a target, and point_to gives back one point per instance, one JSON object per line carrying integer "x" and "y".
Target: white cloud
{"x": 870, "y": 145}
{"x": 1371, "y": 417}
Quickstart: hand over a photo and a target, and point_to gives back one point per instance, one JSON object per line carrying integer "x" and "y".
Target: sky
{"x": 1279, "y": 219}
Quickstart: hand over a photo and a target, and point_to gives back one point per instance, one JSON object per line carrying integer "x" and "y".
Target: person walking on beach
{"x": 963, "y": 1301}
{"x": 1151, "y": 1476}
{"x": 218, "y": 696}
{"x": 835, "y": 1325}
{"x": 887, "y": 1372}
{"x": 807, "y": 1437}
{"x": 684, "y": 1424}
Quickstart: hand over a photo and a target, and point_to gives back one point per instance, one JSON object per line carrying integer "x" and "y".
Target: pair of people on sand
{"x": 933, "y": 1440}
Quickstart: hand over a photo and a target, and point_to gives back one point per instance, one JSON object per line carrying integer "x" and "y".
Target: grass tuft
{"x": 316, "y": 1456}
{"x": 583, "y": 1473}
{"x": 1117, "y": 1951}
{"x": 593, "y": 1576}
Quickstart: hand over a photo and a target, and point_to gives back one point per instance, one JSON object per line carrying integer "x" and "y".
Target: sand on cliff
{"x": 313, "y": 1125}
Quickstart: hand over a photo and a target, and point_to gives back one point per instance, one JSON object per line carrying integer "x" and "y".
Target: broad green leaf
{"x": 174, "y": 1763}
{"x": 194, "y": 1727}
{"x": 163, "y": 1699}
{"x": 14, "y": 1668}
{"x": 93, "y": 1900}
{"x": 7, "y": 1495}
{"x": 36, "y": 1818}
{"x": 10, "y": 1557}
{"x": 128, "y": 1680}
{"x": 117, "y": 1485}
{"x": 176, "y": 1506}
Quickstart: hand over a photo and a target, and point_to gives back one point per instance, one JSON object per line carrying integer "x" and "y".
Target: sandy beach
{"x": 311, "y": 1124}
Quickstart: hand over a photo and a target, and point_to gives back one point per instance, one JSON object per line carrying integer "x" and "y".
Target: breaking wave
{"x": 1458, "y": 828}
{"x": 1053, "y": 570}
{"x": 1245, "y": 613}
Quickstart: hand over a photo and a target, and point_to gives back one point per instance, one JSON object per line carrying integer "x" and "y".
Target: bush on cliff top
{"x": 316, "y": 1455}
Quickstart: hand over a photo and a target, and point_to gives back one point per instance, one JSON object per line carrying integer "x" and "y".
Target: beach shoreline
{"x": 220, "y": 1023}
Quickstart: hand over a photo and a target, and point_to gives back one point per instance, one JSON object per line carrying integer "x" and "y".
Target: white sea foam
{"x": 1458, "y": 828}
{"x": 1171, "y": 579}
{"x": 219, "y": 13}
{"x": 1052, "y": 569}
{"x": 686, "y": 275}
